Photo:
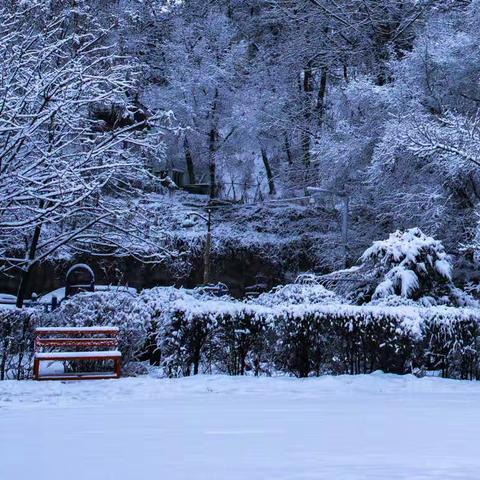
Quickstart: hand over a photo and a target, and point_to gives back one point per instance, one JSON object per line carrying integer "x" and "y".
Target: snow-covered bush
{"x": 118, "y": 309}
{"x": 451, "y": 343}
{"x": 156, "y": 304}
{"x": 298, "y": 293}
{"x": 204, "y": 335}
{"x": 16, "y": 342}
{"x": 342, "y": 339}
{"x": 410, "y": 264}
{"x": 184, "y": 339}
{"x": 394, "y": 301}
{"x": 244, "y": 342}
{"x": 301, "y": 343}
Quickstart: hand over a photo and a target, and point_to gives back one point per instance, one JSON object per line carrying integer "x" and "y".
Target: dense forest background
{"x": 259, "y": 102}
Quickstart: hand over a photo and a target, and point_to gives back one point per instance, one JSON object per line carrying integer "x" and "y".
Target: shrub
{"x": 203, "y": 335}
{"x": 297, "y": 294}
{"x": 409, "y": 264}
{"x": 342, "y": 339}
{"x": 118, "y": 309}
{"x": 182, "y": 339}
{"x": 300, "y": 343}
{"x": 451, "y": 343}
{"x": 243, "y": 342}
{"x": 16, "y": 342}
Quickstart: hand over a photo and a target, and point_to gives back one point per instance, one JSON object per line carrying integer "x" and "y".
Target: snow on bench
{"x": 42, "y": 330}
{"x": 78, "y": 355}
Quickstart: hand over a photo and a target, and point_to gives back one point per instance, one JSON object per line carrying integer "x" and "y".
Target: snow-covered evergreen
{"x": 410, "y": 264}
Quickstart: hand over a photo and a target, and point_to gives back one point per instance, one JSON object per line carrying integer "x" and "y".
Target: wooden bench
{"x": 91, "y": 338}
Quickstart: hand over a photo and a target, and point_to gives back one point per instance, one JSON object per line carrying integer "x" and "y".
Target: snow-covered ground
{"x": 212, "y": 427}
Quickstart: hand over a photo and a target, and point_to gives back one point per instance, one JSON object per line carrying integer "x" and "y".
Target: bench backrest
{"x": 91, "y": 337}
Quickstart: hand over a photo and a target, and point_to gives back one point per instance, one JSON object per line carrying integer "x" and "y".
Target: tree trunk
{"x": 25, "y": 278}
{"x": 189, "y": 161}
{"x": 288, "y": 150}
{"x": 306, "y": 148}
{"x": 307, "y": 89}
{"x": 23, "y": 346}
{"x": 212, "y": 148}
{"x": 321, "y": 95}
{"x": 308, "y": 78}
{"x": 212, "y": 165}
{"x": 208, "y": 248}
{"x": 268, "y": 170}
{"x": 196, "y": 364}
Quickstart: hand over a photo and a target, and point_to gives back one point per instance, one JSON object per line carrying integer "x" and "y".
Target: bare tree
{"x": 71, "y": 141}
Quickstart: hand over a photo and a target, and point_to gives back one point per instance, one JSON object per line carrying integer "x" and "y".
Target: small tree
{"x": 410, "y": 264}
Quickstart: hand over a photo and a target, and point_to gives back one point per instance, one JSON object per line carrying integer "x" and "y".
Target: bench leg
{"x": 36, "y": 368}
{"x": 118, "y": 367}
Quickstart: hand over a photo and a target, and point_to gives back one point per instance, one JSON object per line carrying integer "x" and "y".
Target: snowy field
{"x": 365, "y": 427}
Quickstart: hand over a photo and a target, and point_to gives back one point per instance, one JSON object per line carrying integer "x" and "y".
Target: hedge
{"x": 185, "y": 334}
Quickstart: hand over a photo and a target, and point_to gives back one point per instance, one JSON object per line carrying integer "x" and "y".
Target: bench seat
{"x": 78, "y": 355}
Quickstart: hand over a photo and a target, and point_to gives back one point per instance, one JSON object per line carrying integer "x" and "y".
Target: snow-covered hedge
{"x": 297, "y": 293}
{"x": 213, "y": 335}
{"x": 344, "y": 339}
{"x": 16, "y": 342}
{"x": 198, "y": 335}
{"x": 118, "y": 309}
{"x": 185, "y": 333}
{"x": 451, "y": 342}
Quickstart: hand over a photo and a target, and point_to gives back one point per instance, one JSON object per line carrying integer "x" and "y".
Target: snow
{"x": 7, "y": 297}
{"x": 60, "y": 292}
{"x": 82, "y": 266}
{"x": 76, "y": 329}
{"x": 444, "y": 268}
{"x": 297, "y": 293}
{"x": 213, "y": 427}
{"x": 67, "y": 355}
{"x": 409, "y": 281}
{"x": 7, "y": 301}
